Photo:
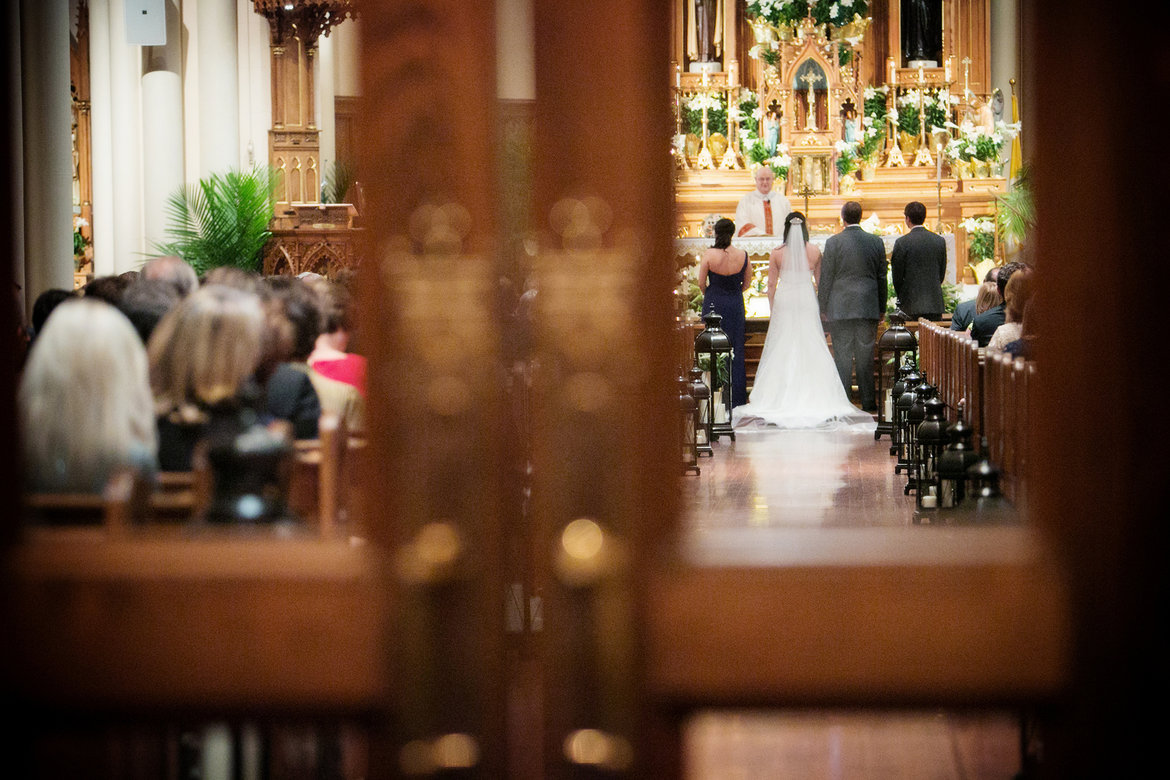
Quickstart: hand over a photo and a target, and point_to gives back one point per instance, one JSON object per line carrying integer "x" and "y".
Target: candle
{"x": 893, "y": 72}
{"x": 733, "y": 74}
{"x": 920, "y": 74}
{"x": 889, "y": 405}
{"x": 929, "y": 502}
{"x": 947, "y": 71}
{"x": 678, "y": 77}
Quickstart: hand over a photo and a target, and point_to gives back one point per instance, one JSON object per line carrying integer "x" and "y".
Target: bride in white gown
{"x": 797, "y": 384}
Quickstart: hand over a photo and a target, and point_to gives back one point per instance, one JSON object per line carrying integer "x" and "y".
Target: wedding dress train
{"x": 797, "y": 384}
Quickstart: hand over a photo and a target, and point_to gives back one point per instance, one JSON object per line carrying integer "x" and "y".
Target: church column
{"x": 323, "y": 108}
{"x": 126, "y": 146}
{"x": 101, "y": 137}
{"x": 1005, "y": 41}
{"x": 162, "y": 127}
{"x": 47, "y": 146}
{"x": 219, "y": 105}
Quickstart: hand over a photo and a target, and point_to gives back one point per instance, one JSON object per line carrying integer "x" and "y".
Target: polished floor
{"x": 750, "y": 496}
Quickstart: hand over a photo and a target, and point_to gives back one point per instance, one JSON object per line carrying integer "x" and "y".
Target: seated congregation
{"x": 193, "y": 382}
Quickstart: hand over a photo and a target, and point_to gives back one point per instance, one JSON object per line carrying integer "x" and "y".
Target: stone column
{"x": 126, "y": 145}
{"x": 47, "y": 146}
{"x": 162, "y": 127}
{"x": 101, "y": 137}
{"x": 323, "y": 107}
{"x": 219, "y": 105}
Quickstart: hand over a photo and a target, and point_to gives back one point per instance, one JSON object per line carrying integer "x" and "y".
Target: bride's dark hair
{"x": 803, "y": 224}
{"x": 724, "y": 230}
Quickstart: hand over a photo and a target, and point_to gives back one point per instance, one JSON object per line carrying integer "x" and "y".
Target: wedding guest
{"x": 146, "y": 302}
{"x": 724, "y": 275}
{"x": 918, "y": 266}
{"x": 331, "y": 356}
{"x": 984, "y": 325}
{"x": 1017, "y": 293}
{"x": 175, "y": 271}
{"x": 295, "y": 391}
{"x": 44, "y": 305}
{"x": 965, "y": 311}
{"x": 84, "y": 401}
{"x": 202, "y": 354}
{"x": 107, "y": 288}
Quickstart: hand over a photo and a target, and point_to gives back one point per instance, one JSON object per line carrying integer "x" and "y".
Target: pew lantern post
{"x": 910, "y": 381}
{"x": 914, "y": 417}
{"x": 688, "y": 427}
{"x": 896, "y": 391}
{"x": 702, "y": 395}
{"x": 895, "y": 342}
{"x": 932, "y": 435}
{"x": 713, "y": 347}
{"x": 956, "y": 458}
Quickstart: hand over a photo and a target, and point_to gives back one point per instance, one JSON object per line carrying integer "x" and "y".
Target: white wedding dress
{"x": 796, "y": 384}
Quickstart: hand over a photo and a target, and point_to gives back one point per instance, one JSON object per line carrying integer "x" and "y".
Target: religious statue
{"x": 770, "y": 131}
{"x": 850, "y": 125}
{"x": 704, "y": 30}
{"x": 991, "y": 112}
{"x": 922, "y": 30}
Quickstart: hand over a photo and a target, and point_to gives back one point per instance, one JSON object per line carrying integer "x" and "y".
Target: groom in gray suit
{"x": 853, "y": 297}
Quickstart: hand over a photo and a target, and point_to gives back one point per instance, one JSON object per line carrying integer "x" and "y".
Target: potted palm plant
{"x": 222, "y": 220}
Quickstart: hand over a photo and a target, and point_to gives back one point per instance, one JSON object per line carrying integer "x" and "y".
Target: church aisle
{"x": 754, "y": 501}
{"x": 796, "y": 479}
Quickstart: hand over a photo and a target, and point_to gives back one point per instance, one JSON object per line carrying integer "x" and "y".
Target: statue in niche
{"x": 770, "y": 129}
{"x": 922, "y": 30}
{"x": 704, "y": 30}
{"x": 850, "y": 125}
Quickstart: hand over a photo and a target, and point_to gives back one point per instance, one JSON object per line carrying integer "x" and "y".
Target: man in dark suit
{"x": 853, "y": 298}
{"x": 965, "y": 310}
{"x": 984, "y": 325}
{"x": 919, "y": 265}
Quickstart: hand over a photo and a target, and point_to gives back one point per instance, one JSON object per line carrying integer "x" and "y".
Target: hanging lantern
{"x": 702, "y": 395}
{"x": 902, "y": 418}
{"x": 958, "y": 456}
{"x": 932, "y": 436}
{"x": 713, "y": 347}
{"x": 893, "y": 344}
{"x": 688, "y": 417}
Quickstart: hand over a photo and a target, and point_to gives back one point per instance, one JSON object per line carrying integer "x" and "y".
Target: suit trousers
{"x": 853, "y": 347}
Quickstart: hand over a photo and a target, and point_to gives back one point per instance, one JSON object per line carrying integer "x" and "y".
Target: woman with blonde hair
{"x": 986, "y": 298}
{"x": 1015, "y": 298}
{"x": 84, "y": 401}
{"x": 203, "y": 353}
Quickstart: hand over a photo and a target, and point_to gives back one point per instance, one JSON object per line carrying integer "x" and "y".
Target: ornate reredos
{"x": 810, "y": 44}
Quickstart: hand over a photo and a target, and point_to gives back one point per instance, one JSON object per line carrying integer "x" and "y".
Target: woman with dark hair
{"x": 724, "y": 276}
{"x": 797, "y": 384}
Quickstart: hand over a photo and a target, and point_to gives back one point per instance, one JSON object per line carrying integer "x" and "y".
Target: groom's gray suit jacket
{"x": 853, "y": 276}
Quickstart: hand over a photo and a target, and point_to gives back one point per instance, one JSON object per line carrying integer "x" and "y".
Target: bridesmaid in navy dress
{"x": 724, "y": 276}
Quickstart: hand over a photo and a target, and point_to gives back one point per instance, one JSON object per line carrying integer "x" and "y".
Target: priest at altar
{"x": 761, "y": 212}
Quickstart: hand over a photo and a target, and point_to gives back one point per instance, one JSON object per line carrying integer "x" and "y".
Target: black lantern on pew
{"x": 688, "y": 426}
{"x": 702, "y": 395}
{"x": 957, "y": 457}
{"x": 932, "y": 436}
{"x": 896, "y": 391}
{"x": 902, "y": 406}
{"x": 893, "y": 344}
{"x": 991, "y": 507}
{"x": 914, "y": 417}
{"x": 713, "y": 347}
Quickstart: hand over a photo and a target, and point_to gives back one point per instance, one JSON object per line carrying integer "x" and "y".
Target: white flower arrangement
{"x": 704, "y": 100}
{"x": 977, "y": 225}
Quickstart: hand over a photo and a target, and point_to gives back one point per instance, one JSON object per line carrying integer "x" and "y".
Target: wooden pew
{"x": 322, "y": 473}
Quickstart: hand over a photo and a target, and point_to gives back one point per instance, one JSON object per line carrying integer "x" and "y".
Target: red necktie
{"x": 768, "y": 217}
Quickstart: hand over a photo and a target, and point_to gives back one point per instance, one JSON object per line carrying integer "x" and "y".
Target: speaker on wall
{"x": 146, "y": 22}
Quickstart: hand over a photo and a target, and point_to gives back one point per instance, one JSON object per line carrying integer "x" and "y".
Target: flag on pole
{"x": 1017, "y": 147}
